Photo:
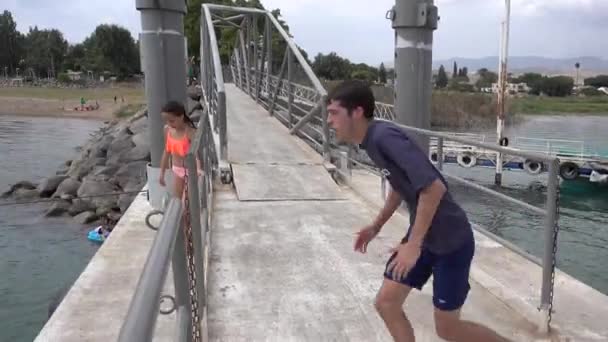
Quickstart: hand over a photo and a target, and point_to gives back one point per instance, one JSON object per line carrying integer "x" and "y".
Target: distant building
{"x": 512, "y": 88}
{"x": 74, "y": 75}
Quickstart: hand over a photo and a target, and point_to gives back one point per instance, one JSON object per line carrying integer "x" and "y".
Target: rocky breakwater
{"x": 102, "y": 181}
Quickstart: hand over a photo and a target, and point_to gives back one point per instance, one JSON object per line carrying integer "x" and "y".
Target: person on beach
{"x": 179, "y": 131}
{"x": 439, "y": 240}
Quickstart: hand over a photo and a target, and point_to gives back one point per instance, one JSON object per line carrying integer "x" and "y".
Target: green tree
{"x": 533, "y": 80}
{"x": 382, "y": 75}
{"x": 11, "y": 43}
{"x": 111, "y": 48}
{"x": 332, "y": 67}
{"x": 597, "y": 81}
{"x": 557, "y": 86}
{"x": 455, "y": 72}
{"x": 442, "y": 78}
{"x": 44, "y": 51}
{"x": 486, "y": 78}
{"x": 75, "y": 58}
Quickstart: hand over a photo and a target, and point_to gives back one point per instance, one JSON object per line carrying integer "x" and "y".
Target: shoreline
{"x": 37, "y": 107}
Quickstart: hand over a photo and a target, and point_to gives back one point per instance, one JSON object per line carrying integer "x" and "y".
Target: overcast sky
{"x": 358, "y": 30}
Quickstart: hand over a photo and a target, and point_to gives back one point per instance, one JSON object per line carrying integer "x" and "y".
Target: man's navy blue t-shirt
{"x": 409, "y": 171}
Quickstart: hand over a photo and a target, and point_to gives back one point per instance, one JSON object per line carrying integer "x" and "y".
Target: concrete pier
{"x": 282, "y": 265}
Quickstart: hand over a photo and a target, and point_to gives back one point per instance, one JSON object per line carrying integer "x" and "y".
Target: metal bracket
{"x": 171, "y": 309}
{"x": 163, "y": 5}
{"x": 428, "y": 16}
{"x": 225, "y": 172}
{"x": 150, "y": 214}
{"x": 422, "y": 15}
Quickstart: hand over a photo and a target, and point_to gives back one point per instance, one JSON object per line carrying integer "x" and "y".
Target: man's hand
{"x": 407, "y": 255}
{"x": 364, "y": 236}
{"x": 162, "y": 179}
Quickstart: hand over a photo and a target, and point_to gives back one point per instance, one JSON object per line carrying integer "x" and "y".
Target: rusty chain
{"x": 192, "y": 278}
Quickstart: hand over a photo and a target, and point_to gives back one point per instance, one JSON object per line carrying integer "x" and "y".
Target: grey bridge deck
{"x": 282, "y": 266}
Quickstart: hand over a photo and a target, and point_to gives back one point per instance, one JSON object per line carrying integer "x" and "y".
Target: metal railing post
{"x": 550, "y": 246}
{"x": 256, "y": 59}
{"x": 223, "y": 125}
{"x": 440, "y": 153}
{"x": 326, "y": 151}
{"x": 290, "y": 67}
{"x": 277, "y": 89}
{"x": 269, "y": 67}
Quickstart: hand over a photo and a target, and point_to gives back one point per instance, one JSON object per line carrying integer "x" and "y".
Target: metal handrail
{"x": 215, "y": 78}
{"x": 144, "y": 308}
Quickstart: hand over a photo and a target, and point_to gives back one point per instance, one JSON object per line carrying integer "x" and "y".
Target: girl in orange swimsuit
{"x": 179, "y": 130}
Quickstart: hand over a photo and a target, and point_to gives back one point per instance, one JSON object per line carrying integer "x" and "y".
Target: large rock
{"x": 91, "y": 187}
{"x": 68, "y": 187}
{"x": 132, "y": 176}
{"x": 85, "y": 217}
{"x": 119, "y": 147}
{"x": 195, "y": 93}
{"x": 103, "y": 211}
{"x": 58, "y": 209}
{"x": 114, "y": 216}
{"x": 100, "y": 149}
{"x": 142, "y": 139}
{"x": 140, "y": 125}
{"x": 25, "y": 194}
{"x": 79, "y": 206}
{"x": 49, "y": 185}
{"x": 81, "y": 167}
{"x": 25, "y": 185}
{"x": 196, "y": 116}
{"x": 108, "y": 170}
{"x": 137, "y": 153}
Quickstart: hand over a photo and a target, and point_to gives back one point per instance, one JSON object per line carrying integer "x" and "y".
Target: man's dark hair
{"x": 174, "y": 107}
{"x": 353, "y": 94}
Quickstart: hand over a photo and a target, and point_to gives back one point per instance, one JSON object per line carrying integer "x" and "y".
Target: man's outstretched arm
{"x": 428, "y": 201}
{"x": 392, "y": 203}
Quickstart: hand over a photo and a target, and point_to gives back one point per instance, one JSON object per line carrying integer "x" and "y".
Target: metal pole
{"x": 163, "y": 56}
{"x": 546, "y": 295}
{"x": 269, "y": 68}
{"x": 502, "y": 88}
{"x": 256, "y": 59}
{"x": 326, "y": 150}
{"x": 414, "y": 22}
{"x": 290, "y": 68}
{"x": 440, "y": 153}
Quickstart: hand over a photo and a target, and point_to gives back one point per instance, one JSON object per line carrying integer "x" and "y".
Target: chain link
{"x": 553, "y": 266}
{"x": 192, "y": 279}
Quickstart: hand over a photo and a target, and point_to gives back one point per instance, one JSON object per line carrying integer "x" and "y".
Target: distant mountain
{"x": 520, "y": 64}
{"x": 529, "y": 63}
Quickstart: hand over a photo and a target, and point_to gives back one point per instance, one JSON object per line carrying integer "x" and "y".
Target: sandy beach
{"x": 62, "y": 103}
{"x": 55, "y": 108}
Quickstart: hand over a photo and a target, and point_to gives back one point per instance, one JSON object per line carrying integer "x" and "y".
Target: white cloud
{"x": 358, "y": 30}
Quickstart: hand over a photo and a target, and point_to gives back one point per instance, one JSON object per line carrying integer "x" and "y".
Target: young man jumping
{"x": 439, "y": 240}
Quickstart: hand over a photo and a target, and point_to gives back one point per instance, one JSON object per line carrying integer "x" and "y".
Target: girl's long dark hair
{"x": 178, "y": 109}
